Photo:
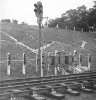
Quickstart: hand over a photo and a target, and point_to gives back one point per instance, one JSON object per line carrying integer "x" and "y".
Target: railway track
{"x": 24, "y": 86}
{"x": 5, "y": 82}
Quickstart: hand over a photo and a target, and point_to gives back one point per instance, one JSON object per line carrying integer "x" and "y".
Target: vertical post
{"x": 36, "y": 62}
{"x": 89, "y": 60}
{"x": 63, "y": 71}
{"x": 24, "y": 62}
{"x": 48, "y": 69}
{"x": 80, "y": 59}
{"x": 74, "y": 29}
{"x": 48, "y": 66}
{"x": 47, "y": 21}
{"x": 82, "y": 29}
{"x": 75, "y": 57}
{"x": 55, "y": 71}
{"x": 41, "y": 64}
{"x": 55, "y": 65}
{"x": 66, "y": 27}
{"x": 89, "y": 29}
{"x": 39, "y": 14}
{"x": 56, "y": 52}
{"x": 8, "y": 63}
{"x": 39, "y": 50}
{"x": 23, "y": 69}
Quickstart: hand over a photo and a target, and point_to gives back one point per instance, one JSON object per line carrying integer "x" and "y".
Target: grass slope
{"x": 28, "y": 35}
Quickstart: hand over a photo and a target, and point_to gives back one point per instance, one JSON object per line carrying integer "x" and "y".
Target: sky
{"x": 23, "y": 10}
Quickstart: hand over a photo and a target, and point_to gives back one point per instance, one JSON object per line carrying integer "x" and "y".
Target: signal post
{"x": 39, "y": 14}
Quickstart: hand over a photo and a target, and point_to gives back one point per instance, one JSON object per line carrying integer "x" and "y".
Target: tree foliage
{"x": 15, "y": 21}
{"x": 79, "y": 18}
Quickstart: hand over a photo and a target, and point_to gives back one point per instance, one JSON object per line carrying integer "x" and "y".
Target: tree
{"x": 94, "y": 4}
{"x": 15, "y": 22}
{"x": 79, "y": 18}
{"x": 52, "y": 23}
{"x": 91, "y": 19}
{"x": 23, "y": 23}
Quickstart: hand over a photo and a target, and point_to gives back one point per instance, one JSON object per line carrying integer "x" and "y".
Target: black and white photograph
{"x": 47, "y": 49}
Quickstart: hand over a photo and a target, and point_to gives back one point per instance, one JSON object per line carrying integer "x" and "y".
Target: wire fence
{"x": 8, "y": 60}
{"x": 56, "y": 58}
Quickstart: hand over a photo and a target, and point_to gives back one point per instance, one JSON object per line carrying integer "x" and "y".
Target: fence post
{"x": 74, "y": 29}
{"x": 89, "y": 30}
{"x": 48, "y": 66}
{"x": 66, "y": 27}
{"x": 55, "y": 71}
{"x": 8, "y": 63}
{"x": 24, "y": 62}
{"x": 82, "y": 29}
{"x": 75, "y": 57}
{"x": 80, "y": 59}
{"x": 55, "y": 65}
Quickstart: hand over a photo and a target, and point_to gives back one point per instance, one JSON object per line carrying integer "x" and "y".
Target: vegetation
{"x": 28, "y": 35}
{"x": 15, "y": 21}
{"x": 79, "y": 18}
{"x": 5, "y": 20}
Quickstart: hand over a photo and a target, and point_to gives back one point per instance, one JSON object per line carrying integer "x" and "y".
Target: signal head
{"x": 35, "y": 10}
{"x": 39, "y": 3}
{"x": 35, "y": 5}
{"x": 38, "y": 10}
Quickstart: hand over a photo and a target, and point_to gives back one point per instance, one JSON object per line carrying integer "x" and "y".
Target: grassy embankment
{"x": 28, "y": 35}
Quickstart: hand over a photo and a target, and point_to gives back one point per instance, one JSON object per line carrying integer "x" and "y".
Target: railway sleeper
{"x": 18, "y": 92}
{"x": 54, "y": 95}
{"x": 64, "y": 90}
{"x": 88, "y": 86}
{"x": 39, "y": 89}
{"x": 72, "y": 85}
{"x": 70, "y": 90}
{"x": 5, "y": 96}
{"x": 34, "y": 97}
{"x": 12, "y": 94}
{"x": 87, "y": 90}
{"x": 84, "y": 89}
{"x": 57, "y": 87}
{"x": 91, "y": 87}
{"x": 47, "y": 92}
{"x": 25, "y": 94}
